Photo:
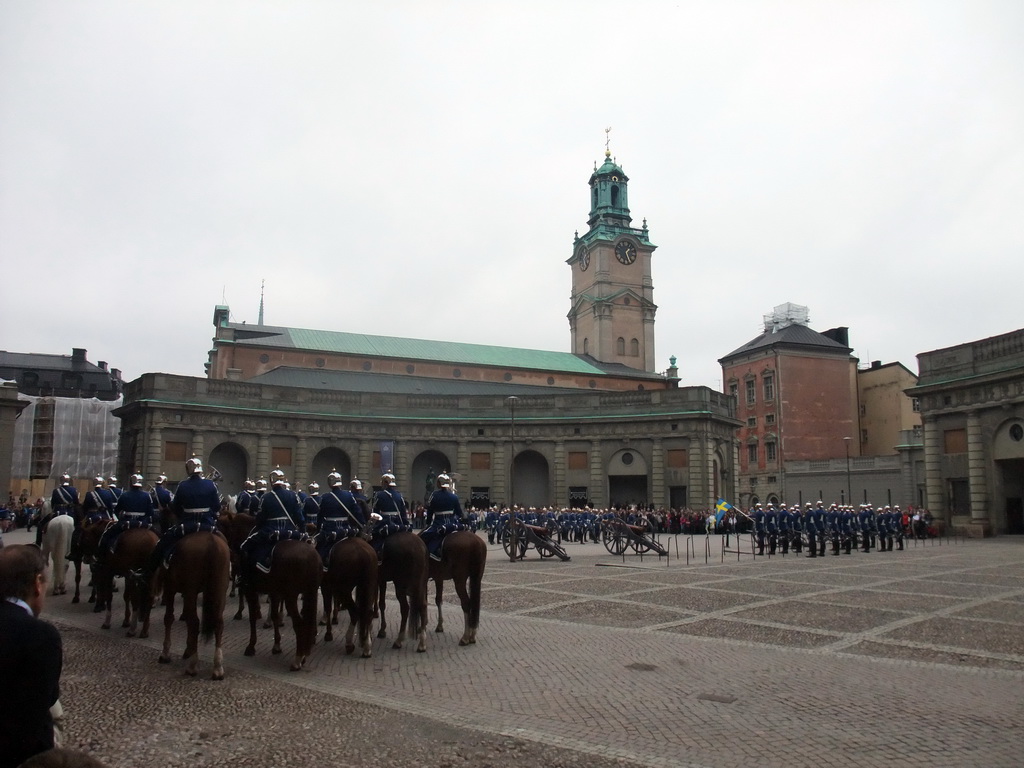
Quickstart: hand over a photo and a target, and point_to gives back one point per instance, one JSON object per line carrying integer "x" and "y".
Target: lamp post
{"x": 849, "y": 493}
{"x": 512, "y": 400}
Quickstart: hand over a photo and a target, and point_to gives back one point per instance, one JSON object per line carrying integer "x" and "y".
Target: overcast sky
{"x": 418, "y": 169}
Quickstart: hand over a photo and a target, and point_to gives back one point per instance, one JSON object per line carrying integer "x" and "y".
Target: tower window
{"x": 751, "y": 392}
{"x": 615, "y": 195}
{"x": 620, "y": 346}
{"x": 769, "y": 388}
{"x": 634, "y": 348}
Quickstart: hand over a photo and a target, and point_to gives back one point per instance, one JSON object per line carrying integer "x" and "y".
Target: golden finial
{"x": 607, "y": 141}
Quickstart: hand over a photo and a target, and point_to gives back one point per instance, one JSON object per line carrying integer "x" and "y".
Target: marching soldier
{"x": 114, "y": 488}
{"x": 783, "y": 524}
{"x": 759, "y": 527}
{"x": 771, "y": 525}
{"x": 311, "y": 505}
{"x": 98, "y": 503}
{"x": 246, "y": 502}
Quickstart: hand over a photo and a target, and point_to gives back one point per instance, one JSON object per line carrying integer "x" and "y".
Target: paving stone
{"x": 821, "y": 616}
{"x": 696, "y": 599}
{"x": 885, "y": 650}
{"x": 753, "y": 633}
{"x": 997, "y": 610}
{"x": 610, "y": 614}
{"x": 964, "y": 633}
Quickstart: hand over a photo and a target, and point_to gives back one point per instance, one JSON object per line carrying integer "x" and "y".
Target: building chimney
{"x": 115, "y": 373}
{"x": 876, "y": 364}
{"x": 102, "y": 365}
{"x": 77, "y": 355}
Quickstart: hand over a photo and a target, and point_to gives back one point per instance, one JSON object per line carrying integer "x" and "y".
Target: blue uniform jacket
{"x": 443, "y": 500}
{"x": 388, "y": 503}
{"x": 136, "y": 506}
{"x": 197, "y": 500}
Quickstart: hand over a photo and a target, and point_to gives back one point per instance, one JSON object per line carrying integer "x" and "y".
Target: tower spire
{"x": 607, "y": 142}
{"x": 260, "y": 321}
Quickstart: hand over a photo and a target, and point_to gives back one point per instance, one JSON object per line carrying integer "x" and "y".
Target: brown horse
{"x": 131, "y": 553}
{"x": 236, "y": 527}
{"x": 404, "y": 562}
{"x": 201, "y": 564}
{"x": 352, "y": 566}
{"x": 295, "y": 571}
{"x": 463, "y": 557}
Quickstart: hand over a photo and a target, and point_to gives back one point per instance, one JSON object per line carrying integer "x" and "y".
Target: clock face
{"x": 584, "y": 258}
{"x": 625, "y": 252}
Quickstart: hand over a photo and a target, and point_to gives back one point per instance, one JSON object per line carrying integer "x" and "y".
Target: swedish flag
{"x": 721, "y": 508}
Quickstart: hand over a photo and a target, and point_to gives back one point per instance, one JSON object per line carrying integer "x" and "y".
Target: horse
{"x": 463, "y": 557}
{"x": 236, "y": 527}
{"x": 201, "y": 563}
{"x": 57, "y": 545}
{"x": 352, "y": 566}
{"x": 295, "y": 572}
{"x": 404, "y": 562}
{"x": 84, "y": 550}
{"x": 131, "y": 553}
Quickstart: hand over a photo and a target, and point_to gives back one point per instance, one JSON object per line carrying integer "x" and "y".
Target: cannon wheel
{"x": 614, "y": 538}
{"x": 506, "y": 542}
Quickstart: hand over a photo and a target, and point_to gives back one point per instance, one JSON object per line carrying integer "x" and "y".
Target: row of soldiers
{"x": 840, "y": 525}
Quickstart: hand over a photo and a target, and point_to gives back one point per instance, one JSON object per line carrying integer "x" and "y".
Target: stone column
{"x": 598, "y": 484}
{"x": 301, "y": 468}
{"x": 976, "y": 473}
{"x": 154, "y": 454}
{"x": 263, "y": 456}
{"x": 659, "y": 492}
{"x": 364, "y": 465}
{"x": 403, "y": 469}
{"x": 559, "y": 490}
{"x": 933, "y": 470}
{"x": 499, "y": 474}
{"x": 197, "y": 446}
{"x": 700, "y": 469}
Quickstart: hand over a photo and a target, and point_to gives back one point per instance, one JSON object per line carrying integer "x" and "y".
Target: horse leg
{"x": 327, "y": 591}
{"x": 191, "y": 615}
{"x": 418, "y": 609}
{"x": 382, "y": 631}
{"x": 241, "y": 601}
{"x": 300, "y": 623}
{"x": 403, "y": 605}
{"x": 468, "y": 632}
{"x": 78, "y": 581}
{"x": 277, "y": 621}
{"x": 127, "y": 604}
{"x": 165, "y": 656}
{"x": 353, "y": 619}
{"x": 438, "y": 600}
{"x": 253, "y": 600}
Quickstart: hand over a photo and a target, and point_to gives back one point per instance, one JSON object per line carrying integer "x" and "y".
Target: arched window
{"x": 620, "y": 346}
{"x": 634, "y": 348}
{"x": 615, "y": 195}
{"x": 586, "y": 346}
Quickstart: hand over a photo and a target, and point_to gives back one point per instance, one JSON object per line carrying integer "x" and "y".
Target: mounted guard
{"x": 278, "y": 518}
{"x": 134, "y": 509}
{"x": 63, "y": 501}
{"x": 342, "y": 515}
{"x": 389, "y": 504}
{"x": 444, "y": 516}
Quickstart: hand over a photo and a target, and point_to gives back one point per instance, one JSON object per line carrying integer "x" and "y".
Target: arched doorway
{"x": 425, "y": 468}
{"x": 1008, "y": 454}
{"x": 530, "y": 484}
{"x": 627, "y": 479}
{"x": 331, "y": 459}
{"x": 231, "y": 460}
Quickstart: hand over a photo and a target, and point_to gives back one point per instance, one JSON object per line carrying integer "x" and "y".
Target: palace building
{"x": 596, "y": 425}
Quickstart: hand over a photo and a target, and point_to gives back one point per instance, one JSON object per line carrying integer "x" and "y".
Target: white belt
{"x": 133, "y": 514}
{"x": 449, "y": 512}
{"x": 196, "y": 511}
{"x": 275, "y": 519}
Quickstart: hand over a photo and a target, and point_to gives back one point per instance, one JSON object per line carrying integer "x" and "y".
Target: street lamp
{"x": 512, "y": 400}
{"x": 849, "y": 493}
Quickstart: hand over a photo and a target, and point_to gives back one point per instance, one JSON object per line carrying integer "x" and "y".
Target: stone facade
{"x": 665, "y": 448}
{"x": 971, "y": 399}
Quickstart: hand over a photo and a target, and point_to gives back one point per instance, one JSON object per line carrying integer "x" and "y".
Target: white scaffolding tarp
{"x": 84, "y": 436}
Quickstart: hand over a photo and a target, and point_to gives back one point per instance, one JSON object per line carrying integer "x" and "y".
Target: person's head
{"x": 112, "y": 481}
{"x": 387, "y": 480}
{"x": 314, "y": 488}
{"x": 443, "y": 481}
{"x": 356, "y": 485}
{"x": 161, "y": 479}
{"x": 65, "y": 479}
{"x": 277, "y": 478}
{"x": 98, "y": 481}
{"x": 334, "y": 479}
{"x": 137, "y": 480}
{"x": 23, "y": 575}
{"x": 194, "y": 466}
{"x": 249, "y": 486}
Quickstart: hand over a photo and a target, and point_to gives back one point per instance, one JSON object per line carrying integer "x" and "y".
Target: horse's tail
{"x": 214, "y": 588}
{"x": 477, "y": 561}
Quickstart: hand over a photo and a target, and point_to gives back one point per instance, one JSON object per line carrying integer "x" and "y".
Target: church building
{"x": 596, "y": 425}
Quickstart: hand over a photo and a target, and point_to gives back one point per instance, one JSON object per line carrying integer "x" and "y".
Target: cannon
{"x": 617, "y": 536}
{"x": 540, "y": 538}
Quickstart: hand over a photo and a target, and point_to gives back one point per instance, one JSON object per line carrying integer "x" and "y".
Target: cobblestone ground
{"x": 903, "y": 658}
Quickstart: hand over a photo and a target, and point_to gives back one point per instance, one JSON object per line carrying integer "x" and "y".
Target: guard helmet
{"x": 356, "y": 484}
{"x": 98, "y": 480}
{"x": 112, "y": 481}
{"x": 65, "y": 479}
{"x": 443, "y": 481}
{"x": 161, "y": 479}
{"x": 314, "y": 487}
{"x": 261, "y": 484}
{"x": 387, "y": 480}
{"x": 136, "y": 480}
{"x": 334, "y": 479}
{"x": 249, "y": 485}
{"x": 194, "y": 466}
{"x": 277, "y": 477}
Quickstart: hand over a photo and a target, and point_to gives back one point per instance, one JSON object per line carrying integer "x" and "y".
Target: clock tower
{"x": 612, "y": 313}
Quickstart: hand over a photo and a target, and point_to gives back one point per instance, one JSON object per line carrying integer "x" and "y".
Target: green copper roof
{"x": 414, "y": 349}
{"x": 609, "y": 167}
